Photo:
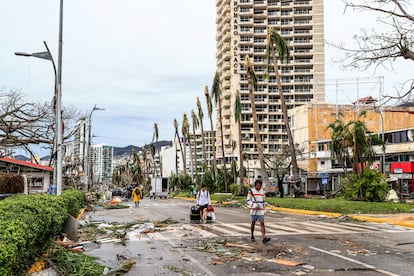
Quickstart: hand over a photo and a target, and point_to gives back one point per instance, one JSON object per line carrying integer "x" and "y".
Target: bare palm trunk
{"x": 195, "y": 151}
{"x": 182, "y": 152}
{"x": 285, "y": 117}
{"x": 213, "y": 138}
{"x": 222, "y": 143}
{"x": 241, "y": 166}
{"x": 256, "y": 129}
{"x": 200, "y": 116}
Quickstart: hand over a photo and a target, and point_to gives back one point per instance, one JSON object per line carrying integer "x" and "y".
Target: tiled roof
{"x": 26, "y": 164}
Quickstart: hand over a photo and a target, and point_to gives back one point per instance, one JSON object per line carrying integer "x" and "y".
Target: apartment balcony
{"x": 246, "y": 3}
{"x": 301, "y": 3}
{"x": 260, "y": 14}
{"x": 303, "y": 22}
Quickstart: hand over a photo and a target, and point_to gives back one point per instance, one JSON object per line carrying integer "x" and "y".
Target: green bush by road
{"x": 28, "y": 222}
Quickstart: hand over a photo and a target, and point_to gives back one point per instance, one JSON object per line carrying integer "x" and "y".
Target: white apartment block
{"x": 241, "y": 30}
{"x": 101, "y": 158}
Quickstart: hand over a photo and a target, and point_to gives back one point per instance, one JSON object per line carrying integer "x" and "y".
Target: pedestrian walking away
{"x": 203, "y": 200}
{"x": 256, "y": 202}
{"x": 137, "y": 195}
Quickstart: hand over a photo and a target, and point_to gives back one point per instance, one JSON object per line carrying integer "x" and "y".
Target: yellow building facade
{"x": 310, "y": 131}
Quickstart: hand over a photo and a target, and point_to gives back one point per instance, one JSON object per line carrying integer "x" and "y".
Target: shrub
{"x": 371, "y": 186}
{"x": 28, "y": 222}
{"x": 11, "y": 183}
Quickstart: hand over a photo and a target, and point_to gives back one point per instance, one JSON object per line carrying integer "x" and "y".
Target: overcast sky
{"x": 143, "y": 61}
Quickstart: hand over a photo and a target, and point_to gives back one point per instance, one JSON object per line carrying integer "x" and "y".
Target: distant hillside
{"x": 21, "y": 157}
{"x": 119, "y": 151}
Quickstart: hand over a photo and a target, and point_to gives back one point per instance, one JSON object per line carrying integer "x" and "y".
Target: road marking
{"x": 297, "y": 228}
{"x": 354, "y": 261}
{"x": 199, "y": 264}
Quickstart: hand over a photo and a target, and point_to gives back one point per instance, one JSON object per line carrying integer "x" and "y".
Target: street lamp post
{"x": 383, "y": 141}
{"x": 48, "y": 56}
{"x": 59, "y": 139}
{"x": 58, "y": 100}
{"x": 88, "y": 166}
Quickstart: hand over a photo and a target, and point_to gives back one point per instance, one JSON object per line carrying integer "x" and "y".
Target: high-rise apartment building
{"x": 241, "y": 31}
{"x": 102, "y": 156}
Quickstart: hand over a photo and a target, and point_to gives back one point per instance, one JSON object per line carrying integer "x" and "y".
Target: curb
{"x": 357, "y": 217}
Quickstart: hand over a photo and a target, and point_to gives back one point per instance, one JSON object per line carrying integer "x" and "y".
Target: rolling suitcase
{"x": 195, "y": 212}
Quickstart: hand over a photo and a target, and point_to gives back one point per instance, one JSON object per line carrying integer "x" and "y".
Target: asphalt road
{"x": 300, "y": 245}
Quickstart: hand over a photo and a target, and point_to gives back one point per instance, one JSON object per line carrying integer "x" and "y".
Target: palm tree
{"x": 155, "y": 139}
{"x": 147, "y": 166}
{"x": 339, "y": 146}
{"x": 185, "y": 131}
{"x": 237, "y": 118}
{"x": 136, "y": 161}
{"x": 177, "y": 136}
{"x": 353, "y": 135}
{"x": 213, "y": 138}
{"x": 216, "y": 96}
{"x": 200, "y": 116}
{"x": 195, "y": 124}
{"x": 252, "y": 83}
{"x": 276, "y": 43}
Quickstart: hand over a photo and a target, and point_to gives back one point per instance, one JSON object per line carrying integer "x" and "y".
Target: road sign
{"x": 398, "y": 170}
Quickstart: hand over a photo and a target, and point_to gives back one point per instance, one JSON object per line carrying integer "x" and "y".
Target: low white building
{"x": 37, "y": 177}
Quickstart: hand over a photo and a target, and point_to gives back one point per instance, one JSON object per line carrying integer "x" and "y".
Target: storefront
{"x": 404, "y": 172}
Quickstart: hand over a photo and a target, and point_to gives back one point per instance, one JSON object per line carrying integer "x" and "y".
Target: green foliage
{"x": 371, "y": 186}
{"x": 28, "y": 222}
{"x": 234, "y": 188}
{"x": 11, "y": 183}
{"x": 208, "y": 179}
{"x": 72, "y": 263}
{"x": 180, "y": 182}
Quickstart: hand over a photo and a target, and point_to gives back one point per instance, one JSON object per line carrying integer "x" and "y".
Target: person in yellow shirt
{"x": 137, "y": 195}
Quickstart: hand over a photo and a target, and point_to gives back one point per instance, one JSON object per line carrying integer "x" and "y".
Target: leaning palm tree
{"x": 237, "y": 118}
{"x": 275, "y": 43}
{"x": 200, "y": 116}
{"x": 177, "y": 136}
{"x": 216, "y": 96}
{"x": 213, "y": 138}
{"x": 185, "y": 130}
{"x": 195, "y": 125}
{"x": 252, "y": 83}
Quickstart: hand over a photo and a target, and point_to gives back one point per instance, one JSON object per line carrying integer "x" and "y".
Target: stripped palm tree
{"x": 195, "y": 125}
{"x": 252, "y": 84}
{"x": 185, "y": 131}
{"x": 213, "y": 138}
{"x": 136, "y": 161}
{"x": 216, "y": 96}
{"x": 147, "y": 166}
{"x": 155, "y": 139}
{"x": 237, "y": 119}
{"x": 177, "y": 136}
{"x": 275, "y": 43}
{"x": 200, "y": 117}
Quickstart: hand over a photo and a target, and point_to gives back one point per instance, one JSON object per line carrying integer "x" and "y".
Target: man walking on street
{"x": 256, "y": 202}
{"x": 203, "y": 200}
